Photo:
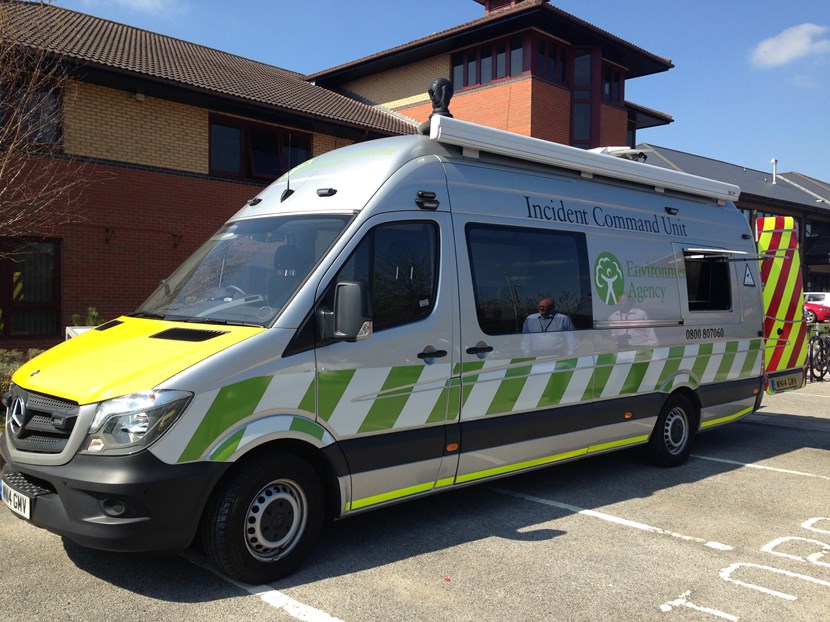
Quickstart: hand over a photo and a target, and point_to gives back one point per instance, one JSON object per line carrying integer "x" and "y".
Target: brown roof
{"x": 100, "y": 43}
{"x": 523, "y": 15}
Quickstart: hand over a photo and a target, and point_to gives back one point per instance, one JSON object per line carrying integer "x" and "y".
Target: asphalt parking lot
{"x": 740, "y": 532}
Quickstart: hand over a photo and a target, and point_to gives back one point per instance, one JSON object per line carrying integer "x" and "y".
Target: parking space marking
{"x": 682, "y": 601}
{"x": 613, "y": 519}
{"x": 267, "y": 594}
{"x": 761, "y": 466}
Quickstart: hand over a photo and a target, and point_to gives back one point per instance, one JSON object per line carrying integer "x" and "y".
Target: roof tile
{"x": 97, "y": 41}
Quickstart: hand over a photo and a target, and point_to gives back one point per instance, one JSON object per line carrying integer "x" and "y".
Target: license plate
{"x": 17, "y": 502}
{"x": 785, "y": 383}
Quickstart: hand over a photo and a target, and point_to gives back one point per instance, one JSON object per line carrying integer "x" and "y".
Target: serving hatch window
{"x": 708, "y": 281}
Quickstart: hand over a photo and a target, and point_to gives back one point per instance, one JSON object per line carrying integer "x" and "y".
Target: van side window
{"x": 398, "y": 263}
{"x": 513, "y": 268}
{"x": 707, "y": 281}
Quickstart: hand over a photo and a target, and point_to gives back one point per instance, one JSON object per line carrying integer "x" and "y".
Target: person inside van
{"x": 631, "y": 335}
{"x": 538, "y": 328}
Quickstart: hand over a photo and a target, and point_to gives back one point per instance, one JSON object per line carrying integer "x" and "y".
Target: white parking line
{"x": 760, "y": 466}
{"x": 273, "y": 597}
{"x": 613, "y": 519}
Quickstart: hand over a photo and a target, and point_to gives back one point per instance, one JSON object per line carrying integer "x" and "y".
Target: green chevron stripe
{"x": 332, "y": 386}
{"x": 387, "y": 408}
{"x": 232, "y": 404}
{"x": 726, "y": 361}
{"x": 558, "y": 382}
{"x": 511, "y": 387}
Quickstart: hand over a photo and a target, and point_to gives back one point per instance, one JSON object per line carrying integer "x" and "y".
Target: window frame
{"x": 10, "y": 106}
{"x": 502, "y": 55}
{"x": 718, "y": 266}
{"x": 325, "y": 301}
{"x": 249, "y": 167}
{"x": 583, "y": 320}
{"x": 9, "y": 248}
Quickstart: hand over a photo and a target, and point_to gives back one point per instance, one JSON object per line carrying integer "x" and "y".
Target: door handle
{"x": 430, "y": 353}
{"x": 480, "y": 348}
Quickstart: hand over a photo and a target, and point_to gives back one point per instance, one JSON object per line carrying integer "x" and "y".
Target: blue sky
{"x": 751, "y": 80}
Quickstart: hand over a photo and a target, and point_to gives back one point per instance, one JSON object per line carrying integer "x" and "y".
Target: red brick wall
{"x": 504, "y": 106}
{"x": 613, "y": 126}
{"x": 551, "y": 113}
{"x": 139, "y": 225}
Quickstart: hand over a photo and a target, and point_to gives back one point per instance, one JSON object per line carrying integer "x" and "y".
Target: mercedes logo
{"x": 17, "y": 416}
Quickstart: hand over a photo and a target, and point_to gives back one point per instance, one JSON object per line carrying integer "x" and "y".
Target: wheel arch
{"x": 321, "y": 461}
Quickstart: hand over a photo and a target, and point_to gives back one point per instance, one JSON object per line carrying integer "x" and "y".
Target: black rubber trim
{"x": 162, "y": 503}
{"x": 727, "y": 392}
{"x": 399, "y": 448}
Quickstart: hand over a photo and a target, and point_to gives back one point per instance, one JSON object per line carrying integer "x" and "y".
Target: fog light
{"x": 113, "y": 507}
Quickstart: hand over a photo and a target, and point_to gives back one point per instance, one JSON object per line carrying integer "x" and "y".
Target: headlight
{"x": 128, "y": 424}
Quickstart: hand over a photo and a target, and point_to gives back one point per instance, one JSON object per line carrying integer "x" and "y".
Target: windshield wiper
{"x": 222, "y": 322}
{"x": 149, "y": 314}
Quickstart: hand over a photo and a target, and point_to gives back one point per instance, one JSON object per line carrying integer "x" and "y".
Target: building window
{"x": 29, "y": 288}
{"x": 31, "y": 115}
{"x": 246, "y": 150}
{"x": 551, "y": 61}
{"x": 612, "y": 84}
{"x": 513, "y": 268}
{"x": 494, "y": 61}
{"x": 584, "y": 117}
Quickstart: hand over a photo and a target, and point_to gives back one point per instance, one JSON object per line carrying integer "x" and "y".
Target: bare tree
{"x": 39, "y": 189}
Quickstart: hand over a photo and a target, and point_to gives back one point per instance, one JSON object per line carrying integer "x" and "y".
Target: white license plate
{"x": 17, "y": 502}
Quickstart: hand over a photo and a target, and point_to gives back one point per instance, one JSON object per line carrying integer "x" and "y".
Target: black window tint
{"x": 513, "y": 268}
{"x": 265, "y": 155}
{"x": 707, "y": 282}
{"x": 397, "y": 262}
{"x": 29, "y": 288}
{"x": 225, "y": 148}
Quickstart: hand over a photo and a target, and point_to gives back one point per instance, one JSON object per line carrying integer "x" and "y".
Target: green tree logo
{"x": 608, "y": 278}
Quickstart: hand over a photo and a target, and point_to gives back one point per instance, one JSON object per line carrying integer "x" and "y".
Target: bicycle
{"x": 818, "y": 351}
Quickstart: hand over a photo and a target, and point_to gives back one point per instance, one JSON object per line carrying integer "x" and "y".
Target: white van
{"x": 388, "y": 320}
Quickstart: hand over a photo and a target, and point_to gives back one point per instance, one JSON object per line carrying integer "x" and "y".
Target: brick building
{"x": 174, "y": 137}
{"x": 525, "y": 67}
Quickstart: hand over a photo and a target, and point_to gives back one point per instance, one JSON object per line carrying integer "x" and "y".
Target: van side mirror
{"x": 352, "y": 320}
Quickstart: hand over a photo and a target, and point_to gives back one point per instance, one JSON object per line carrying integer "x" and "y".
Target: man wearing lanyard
{"x": 546, "y": 321}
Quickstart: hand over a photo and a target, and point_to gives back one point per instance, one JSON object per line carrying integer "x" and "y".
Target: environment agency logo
{"x": 608, "y": 278}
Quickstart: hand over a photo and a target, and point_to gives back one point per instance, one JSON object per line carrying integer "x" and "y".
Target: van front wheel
{"x": 263, "y": 522}
{"x": 671, "y": 439}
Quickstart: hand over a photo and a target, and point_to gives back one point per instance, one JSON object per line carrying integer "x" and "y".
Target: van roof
{"x": 474, "y": 139}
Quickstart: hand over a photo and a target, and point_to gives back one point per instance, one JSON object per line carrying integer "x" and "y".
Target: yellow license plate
{"x": 786, "y": 383}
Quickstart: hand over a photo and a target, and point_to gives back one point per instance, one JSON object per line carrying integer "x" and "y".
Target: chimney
{"x": 774, "y": 170}
{"x": 491, "y": 6}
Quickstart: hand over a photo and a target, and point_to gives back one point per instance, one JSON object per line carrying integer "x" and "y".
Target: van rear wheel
{"x": 671, "y": 439}
{"x": 263, "y": 522}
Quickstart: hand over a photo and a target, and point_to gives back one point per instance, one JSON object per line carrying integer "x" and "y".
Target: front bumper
{"x": 119, "y": 503}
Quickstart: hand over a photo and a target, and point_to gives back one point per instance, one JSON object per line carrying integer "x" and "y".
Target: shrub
{"x": 10, "y": 360}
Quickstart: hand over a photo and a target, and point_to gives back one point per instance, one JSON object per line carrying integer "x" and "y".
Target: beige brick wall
{"x": 403, "y": 86}
{"x": 101, "y": 122}
{"x": 107, "y": 123}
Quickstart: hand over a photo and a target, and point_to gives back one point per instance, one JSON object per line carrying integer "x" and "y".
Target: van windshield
{"x": 247, "y": 272}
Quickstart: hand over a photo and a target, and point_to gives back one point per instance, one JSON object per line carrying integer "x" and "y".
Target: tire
{"x": 263, "y": 522}
{"x": 671, "y": 439}
{"x": 817, "y": 358}
{"x": 809, "y": 316}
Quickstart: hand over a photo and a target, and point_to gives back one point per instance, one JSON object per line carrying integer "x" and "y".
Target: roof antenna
{"x": 440, "y": 93}
{"x": 288, "y": 191}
